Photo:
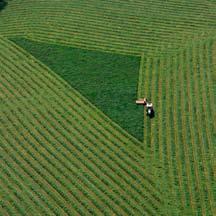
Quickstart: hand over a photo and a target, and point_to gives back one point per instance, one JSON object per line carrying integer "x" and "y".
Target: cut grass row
{"x": 141, "y": 78}
{"x": 178, "y": 165}
{"x": 13, "y": 182}
{"x": 56, "y": 123}
{"x": 200, "y": 89}
{"x": 37, "y": 195}
{"x": 80, "y": 26}
{"x": 98, "y": 23}
{"x": 188, "y": 164}
{"x": 169, "y": 162}
{"x": 94, "y": 11}
{"x": 184, "y": 148}
{"x": 81, "y": 195}
{"x": 116, "y": 77}
{"x": 118, "y": 41}
{"x": 119, "y": 138}
{"x": 106, "y": 182}
{"x": 79, "y": 39}
{"x": 39, "y": 136}
{"x": 39, "y": 33}
{"x": 30, "y": 93}
{"x": 184, "y": 136}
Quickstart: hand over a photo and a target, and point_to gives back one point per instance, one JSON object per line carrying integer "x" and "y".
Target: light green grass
{"x": 69, "y": 157}
{"x": 62, "y": 151}
{"x": 182, "y": 134}
{"x": 113, "y": 26}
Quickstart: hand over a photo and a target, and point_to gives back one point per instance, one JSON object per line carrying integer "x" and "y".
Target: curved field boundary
{"x": 182, "y": 135}
{"x": 111, "y": 26}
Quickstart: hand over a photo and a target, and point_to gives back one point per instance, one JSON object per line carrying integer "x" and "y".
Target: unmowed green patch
{"x": 109, "y": 81}
{"x": 3, "y": 4}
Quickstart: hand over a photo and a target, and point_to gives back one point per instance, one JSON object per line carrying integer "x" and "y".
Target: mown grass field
{"x": 108, "y": 80}
{"x": 73, "y": 142}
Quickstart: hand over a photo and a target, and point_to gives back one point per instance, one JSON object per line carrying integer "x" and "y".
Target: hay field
{"x": 73, "y": 142}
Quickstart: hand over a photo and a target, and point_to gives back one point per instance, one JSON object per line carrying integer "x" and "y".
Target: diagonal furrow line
{"x": 53, "y": 125}
{"x": 86, "y": 110}
{"x": 17, "y": 77}
{"x": 26, "y": 71}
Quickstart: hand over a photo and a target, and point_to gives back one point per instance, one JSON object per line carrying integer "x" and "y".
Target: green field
{"x": 108, "y": 80}
{"x": 72, "y": 139}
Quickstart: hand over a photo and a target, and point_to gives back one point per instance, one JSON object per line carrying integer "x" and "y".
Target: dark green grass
{"x": 3, "y": 4}
{"x": 108, "y": 80}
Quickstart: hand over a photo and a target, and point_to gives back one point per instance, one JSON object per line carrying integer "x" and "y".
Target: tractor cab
{"x": 148, "y": 105}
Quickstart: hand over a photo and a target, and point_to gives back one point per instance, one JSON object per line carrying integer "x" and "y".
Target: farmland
{"x": 116, "y": 86}
{"x": 73, "y": 142}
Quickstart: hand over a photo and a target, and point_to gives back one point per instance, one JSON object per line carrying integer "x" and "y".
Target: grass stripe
{"x": 185, "y": 134}
{"x": 41, "y": 195}
{"x": 71, "y": 107}
{"x": 8, "y": 191}
{"x": 177, "y": 137}
{"x": 40, "y": 179}
{"x": 26, "y": 201}
{"x": 200, "y": 132}
{"x": 28, "y": 127}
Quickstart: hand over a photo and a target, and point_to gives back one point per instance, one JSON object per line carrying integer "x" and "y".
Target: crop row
{"x": 128, "y": 14}
{"x": 98, "y": 119}
{"x": 55, "y": 133}
{"x": 30, "y": 93}
{"x": 110, "y": 33}
{"x": 184, "y": 148}
{"x": 36, "y": 137}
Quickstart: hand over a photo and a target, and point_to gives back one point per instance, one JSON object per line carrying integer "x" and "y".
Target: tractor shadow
{"x": 152, "y": 115}
{"x": 3, "y": 4}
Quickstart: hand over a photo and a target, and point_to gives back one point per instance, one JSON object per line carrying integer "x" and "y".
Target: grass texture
{"x": 108, "y": 80}
{"x": 64, "y": 150}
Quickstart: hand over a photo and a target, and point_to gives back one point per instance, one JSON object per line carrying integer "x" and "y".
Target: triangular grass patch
{"x": 109, "y": 81}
